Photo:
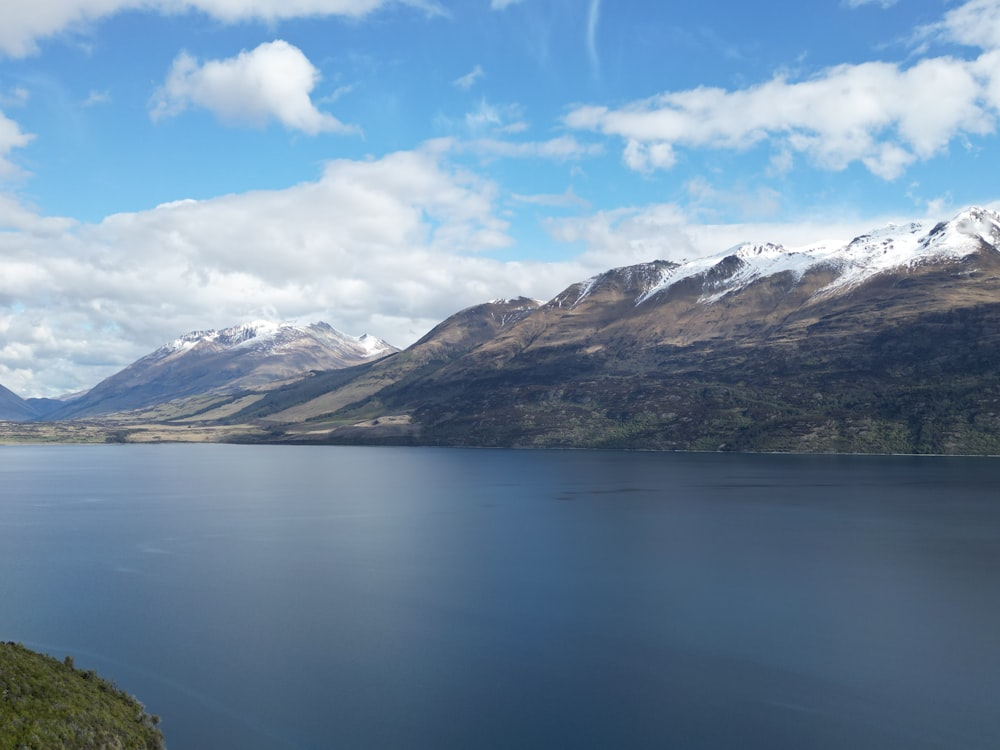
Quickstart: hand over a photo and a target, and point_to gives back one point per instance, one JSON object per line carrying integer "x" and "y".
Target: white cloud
{"x": 17, "y": 97}
{"x": 568, "y": 199}
{"x": 11, "y": 137}
{"x": 273, "y": 80}
{"x": 593, "y": 17}
{"x": 498, "y": 118}
{"x": 879, "y": 114}
{"x": 388, "y": 246}
{"x": 16, "y": 216}
{"x": 667, "y": 231}
{"x": 708, "y": 201}
{"x": 628, "y": 235}
{"x": 975, "y": 24}
{"x": 561, "y": 148}
{"x": 647, "y": 157}
{"x": 467, "y": 81}
{"x": 25, "y": 23}
{"x": 988, "y": 68}
{"x": 501, "y": 4}
{"x": 97, "y": 97}
{"x": 881, "y": 3}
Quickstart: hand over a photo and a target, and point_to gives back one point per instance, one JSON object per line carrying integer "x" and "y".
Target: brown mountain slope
{"x": 327, "y": 393}
{"x": 890, "y": 344}
{"x": 223, "y": 362}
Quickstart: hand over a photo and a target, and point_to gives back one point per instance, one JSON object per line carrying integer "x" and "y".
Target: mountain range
{"x": 888, "y": 343}
{"x": 210, "y": 363}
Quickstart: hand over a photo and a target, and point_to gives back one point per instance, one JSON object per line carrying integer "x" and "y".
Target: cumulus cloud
{"x": 625, "y": 236}
{"x": 877, "y": 113}
{"x": 974, "y": 24}
{"x": 16, "y": 216}
{"x": 25, "y": 23}
{"x": 388, "y": 246}
{"x": 647, "y": 157}
{"x": 667, "y": 231}
{"x": 272, "y": 81}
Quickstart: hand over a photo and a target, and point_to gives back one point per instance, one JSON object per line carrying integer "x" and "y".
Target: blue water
{"x": 293, "y": 597}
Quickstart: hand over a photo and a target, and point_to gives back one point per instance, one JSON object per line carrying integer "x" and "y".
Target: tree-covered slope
{"x": 46, "y": 704}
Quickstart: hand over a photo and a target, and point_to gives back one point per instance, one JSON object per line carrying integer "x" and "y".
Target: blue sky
{"x": 169, "y": 165}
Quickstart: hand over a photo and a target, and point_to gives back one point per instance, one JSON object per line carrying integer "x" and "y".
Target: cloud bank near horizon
{"x": 490, "y": 195}
{"x": 389, "y": 246}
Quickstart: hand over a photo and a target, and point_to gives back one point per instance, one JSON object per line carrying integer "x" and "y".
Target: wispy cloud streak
{"x": 593, "y": 19}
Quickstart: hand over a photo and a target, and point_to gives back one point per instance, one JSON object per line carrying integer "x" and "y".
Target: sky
{"x": 178, "y": 165}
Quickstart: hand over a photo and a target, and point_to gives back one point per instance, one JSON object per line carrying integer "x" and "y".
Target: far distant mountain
{"x": 224, "y": 361}
{"x": 42, "y": 407}
{"x": 13, "y": 408}
{"x": 888, "y": 343}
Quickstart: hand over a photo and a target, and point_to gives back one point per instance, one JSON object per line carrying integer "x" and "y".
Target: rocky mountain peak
{"x": 881, "y": 250}
{"x": 633, "y": 282}
{"x": 226, "y": 360}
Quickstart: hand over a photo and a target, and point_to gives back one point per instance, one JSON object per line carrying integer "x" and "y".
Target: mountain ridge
{"x": 220, "y": 361}
{"x": 886, "y": 343}
{"x": 13, "y": 408}
{"x": 637, "y": 356}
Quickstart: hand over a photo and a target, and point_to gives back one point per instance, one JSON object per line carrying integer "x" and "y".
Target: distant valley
{"x": 888, "y": 344}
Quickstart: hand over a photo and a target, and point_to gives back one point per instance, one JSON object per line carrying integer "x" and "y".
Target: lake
{"x": 332, "y": 597}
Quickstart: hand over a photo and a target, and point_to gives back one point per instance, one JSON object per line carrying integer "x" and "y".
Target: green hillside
{"x": 46, "y": 704}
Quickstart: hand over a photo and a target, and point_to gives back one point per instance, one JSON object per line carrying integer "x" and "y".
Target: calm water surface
{"x": 272, "y": 597}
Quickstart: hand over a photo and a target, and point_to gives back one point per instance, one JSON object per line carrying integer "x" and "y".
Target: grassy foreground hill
{"x": 46, "y": 704}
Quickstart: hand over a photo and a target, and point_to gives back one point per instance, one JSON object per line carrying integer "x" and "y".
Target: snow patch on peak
{"x": 643, "y": 277}
{"x": 977, "y": 224}
{"x": 265, "y": 336}
{"x": 521, "y": 301}
{"x": 734, "y": 269}
{"x": 372, "y": 346}
{"x": 585, "y": 289}
{"x": 878, "y": 251}
{"x": 751, "y": 262}
{"x": 752, "y": 250}
{"x": 248, "y": 334}
{"x": 870, "y": 254}
{"x": 513, "y": 309}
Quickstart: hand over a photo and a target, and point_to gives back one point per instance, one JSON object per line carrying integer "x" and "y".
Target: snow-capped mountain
{"x": 887, "y": 343}
{"x": 894, "y": 247}
{"x": 222, "y": 361}
{"x": 767, "y": 287}
{"x": 267, "y": 338}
